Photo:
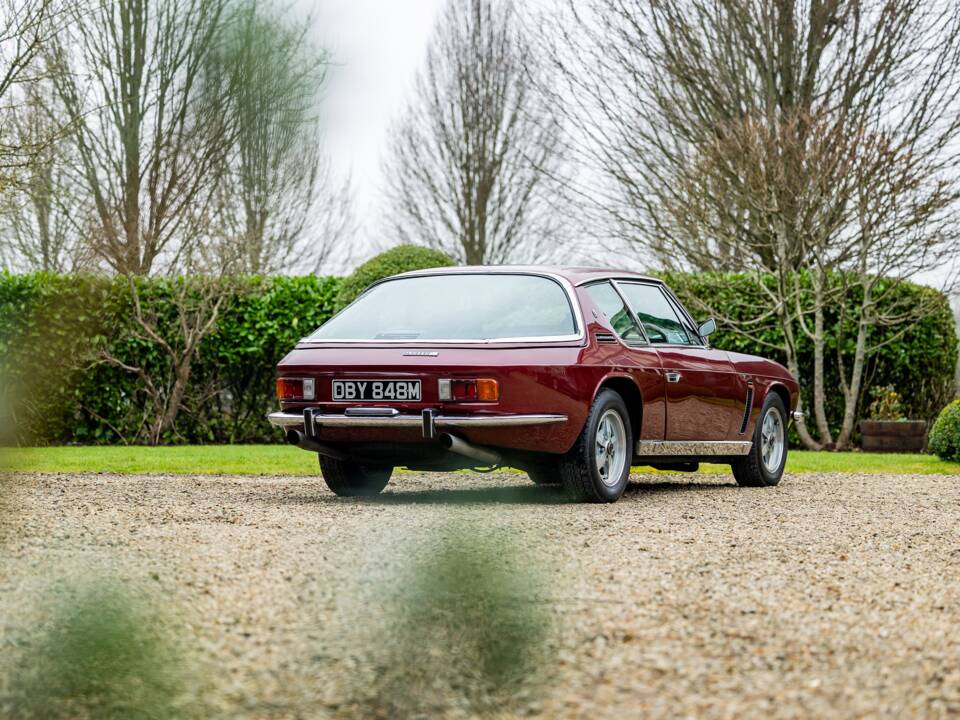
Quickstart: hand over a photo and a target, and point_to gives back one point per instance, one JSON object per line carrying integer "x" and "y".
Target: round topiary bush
{"x": 402, "y": 258}
{"x": 945, "y": 435}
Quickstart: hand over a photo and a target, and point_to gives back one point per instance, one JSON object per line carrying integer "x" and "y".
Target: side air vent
{"x": 605, "y": 338}
{"x": 748, "y": 406}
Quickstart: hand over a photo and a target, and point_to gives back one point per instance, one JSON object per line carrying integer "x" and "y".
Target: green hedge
{"x": 919, "y": 365}
{"x": 55, "y": 390}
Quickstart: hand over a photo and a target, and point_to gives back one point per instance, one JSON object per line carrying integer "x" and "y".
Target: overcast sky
{"x": 377, "y": 47}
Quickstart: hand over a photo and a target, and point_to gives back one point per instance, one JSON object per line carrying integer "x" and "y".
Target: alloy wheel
{"x": 611, "y": 447}
{"x": 772, "y": 440}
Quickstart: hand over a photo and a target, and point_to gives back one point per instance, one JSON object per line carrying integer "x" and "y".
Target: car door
{"x": 702, "y": 387}
{"x": 634, "y": 354}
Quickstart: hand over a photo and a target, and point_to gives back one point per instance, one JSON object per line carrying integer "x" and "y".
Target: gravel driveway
{"x": 829, "y": 596}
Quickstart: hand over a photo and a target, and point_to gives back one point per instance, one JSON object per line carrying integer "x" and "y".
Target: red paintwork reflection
{"x": 707, "y": 402}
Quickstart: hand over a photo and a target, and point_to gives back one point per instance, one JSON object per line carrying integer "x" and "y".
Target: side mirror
{"x": 708, "y": 328}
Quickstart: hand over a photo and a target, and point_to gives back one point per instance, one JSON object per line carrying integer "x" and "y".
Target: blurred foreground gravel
{"x": 830, "y": 596}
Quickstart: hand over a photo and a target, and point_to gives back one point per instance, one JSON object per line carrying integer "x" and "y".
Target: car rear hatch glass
{"x": 460, "y": 307}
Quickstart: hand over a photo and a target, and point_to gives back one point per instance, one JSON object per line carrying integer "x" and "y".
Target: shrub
{"x": 103, "y": 653}
{"x": 402, "y": 258}
{"x": 945, "y": 435}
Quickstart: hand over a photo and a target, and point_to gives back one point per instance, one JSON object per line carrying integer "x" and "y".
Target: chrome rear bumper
{"x": 295, "y": 420}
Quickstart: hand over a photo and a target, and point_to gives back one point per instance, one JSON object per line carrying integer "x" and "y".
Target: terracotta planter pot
{"x": 893, "y": 435}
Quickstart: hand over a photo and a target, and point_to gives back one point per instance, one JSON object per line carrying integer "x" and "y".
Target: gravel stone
{"x": 831, "y": 595}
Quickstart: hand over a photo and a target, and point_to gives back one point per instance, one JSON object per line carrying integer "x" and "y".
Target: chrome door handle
{"x": 673, "y": 377}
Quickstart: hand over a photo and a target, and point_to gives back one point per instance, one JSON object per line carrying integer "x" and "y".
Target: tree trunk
{"x": 819, "y": 341}
{"x": 177, "y": 392}
{"x": 793, "y": 362}
{"x": 851, "y": 390}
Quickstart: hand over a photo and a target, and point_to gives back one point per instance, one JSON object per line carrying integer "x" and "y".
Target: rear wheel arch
{"x": 627, "y": 389}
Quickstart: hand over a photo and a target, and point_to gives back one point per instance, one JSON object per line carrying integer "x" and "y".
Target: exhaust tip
{"x": 293, "y": 437}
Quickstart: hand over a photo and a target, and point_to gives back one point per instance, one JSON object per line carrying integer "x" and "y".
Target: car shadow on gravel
{"x": 511, "y": 495}
{"x": 661, "y": 488}
{"x": 395, "y": 495}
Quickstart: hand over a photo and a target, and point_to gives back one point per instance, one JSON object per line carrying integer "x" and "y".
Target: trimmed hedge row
{"x": 56, "y": 390}
{"x": 52, "y": 329}
{"x": 919, "y": 365}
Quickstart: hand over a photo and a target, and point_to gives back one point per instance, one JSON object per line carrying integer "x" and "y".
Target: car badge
{"x": 421, "y": 353}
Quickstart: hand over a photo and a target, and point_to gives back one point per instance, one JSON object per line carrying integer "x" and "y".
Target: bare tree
{"x": 807, "y": 141}
{"x": 188, "y": 311}
{"x": 472, "y": 157}
{"x": 278, "y": 200}
{"x": 41, "y": 216}
{"x": 148, "y": 138}
{"x": 26, "y": 26}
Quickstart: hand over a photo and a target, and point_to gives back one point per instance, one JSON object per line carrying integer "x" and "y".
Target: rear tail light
{"x": 480, "y": 389}
{"x": 296, "y": 388}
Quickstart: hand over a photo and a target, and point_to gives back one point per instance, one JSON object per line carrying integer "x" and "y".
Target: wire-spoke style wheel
{"x": 763, "y": 465}
{"x": 597, "y": 468}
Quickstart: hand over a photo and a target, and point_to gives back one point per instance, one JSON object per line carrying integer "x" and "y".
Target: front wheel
{"x": 351, "y": 479}
{"x": 597, "y": 468}
{"x": 763, "y": 465}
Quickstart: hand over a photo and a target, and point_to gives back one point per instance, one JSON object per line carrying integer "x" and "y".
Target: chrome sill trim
{"x": 667, "y": 448}
{"x": 287, "y": 420}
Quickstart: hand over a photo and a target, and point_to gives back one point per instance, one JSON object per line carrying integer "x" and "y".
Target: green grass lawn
{"x": 285, "y": 460}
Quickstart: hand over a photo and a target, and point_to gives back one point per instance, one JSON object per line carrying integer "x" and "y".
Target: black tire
{"x": 750, "y": 470}
{"x": 579, "y": 470}
{"x": 545, "y": 472}
{"x": 351, "y": 479}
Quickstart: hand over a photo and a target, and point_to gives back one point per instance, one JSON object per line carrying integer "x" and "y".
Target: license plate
{"x": 376, "y": 390}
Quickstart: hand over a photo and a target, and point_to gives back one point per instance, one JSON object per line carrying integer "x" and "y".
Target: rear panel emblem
{"x": 421, "y": 353}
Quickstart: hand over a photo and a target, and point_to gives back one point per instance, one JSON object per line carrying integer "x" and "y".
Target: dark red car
{"x": 570, "y": 374}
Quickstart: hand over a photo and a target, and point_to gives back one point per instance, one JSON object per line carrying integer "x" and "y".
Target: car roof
{"x": 574, "y": 274}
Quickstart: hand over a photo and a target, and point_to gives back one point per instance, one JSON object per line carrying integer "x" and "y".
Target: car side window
{"x": 611, "y": 304}
{"x": 685, "y": 321}
{"x": 659, "y": 318}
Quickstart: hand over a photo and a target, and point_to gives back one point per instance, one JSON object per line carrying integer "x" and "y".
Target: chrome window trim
{"x": 568, "y": 288}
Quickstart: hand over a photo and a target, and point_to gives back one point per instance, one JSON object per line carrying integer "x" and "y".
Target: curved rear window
{"x": 456, "y": 307}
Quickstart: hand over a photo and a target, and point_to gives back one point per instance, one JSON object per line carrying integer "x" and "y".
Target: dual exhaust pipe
{"x": 450, "y": 442}
{"x": 475, "y": 452}
{"x": 295, "y": 437}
